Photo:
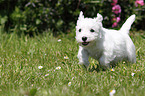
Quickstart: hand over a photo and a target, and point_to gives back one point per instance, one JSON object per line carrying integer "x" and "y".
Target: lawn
{"x": 44, "y": 65}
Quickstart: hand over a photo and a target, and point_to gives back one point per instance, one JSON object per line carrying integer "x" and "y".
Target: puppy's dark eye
{"x": 92, "y": 30}
{"x": 80, "y": 30}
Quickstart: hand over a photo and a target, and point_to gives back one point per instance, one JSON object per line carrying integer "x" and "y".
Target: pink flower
{"x": 114, "y": 24}
{"x": 116, "y": 9}
{"x": 114, "y": 2}
{"x": 114, "y": 19}
{"x": 139, "y": 2}
{"x": 118, "y": 19}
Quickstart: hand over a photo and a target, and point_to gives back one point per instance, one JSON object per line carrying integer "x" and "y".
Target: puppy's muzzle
{"x": 84, "y": 41}
{"x": 84, "y": 38}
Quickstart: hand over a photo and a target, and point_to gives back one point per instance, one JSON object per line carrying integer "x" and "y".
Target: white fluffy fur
{"x": 105, "y": 45}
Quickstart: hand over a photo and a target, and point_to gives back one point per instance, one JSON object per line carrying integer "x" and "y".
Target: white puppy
{"x": 105, "y": 45}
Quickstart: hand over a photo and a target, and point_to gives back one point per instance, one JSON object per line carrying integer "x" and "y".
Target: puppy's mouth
{"x": 85, "y": 43}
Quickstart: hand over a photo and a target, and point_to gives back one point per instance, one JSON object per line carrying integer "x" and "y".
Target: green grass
{"x": 20, "y": 57}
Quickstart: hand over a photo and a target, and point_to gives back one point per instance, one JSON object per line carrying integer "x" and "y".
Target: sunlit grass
{"x": 47, "y": 66}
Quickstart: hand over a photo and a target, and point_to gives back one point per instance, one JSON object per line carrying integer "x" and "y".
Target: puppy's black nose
{"x": 84, "y": 38}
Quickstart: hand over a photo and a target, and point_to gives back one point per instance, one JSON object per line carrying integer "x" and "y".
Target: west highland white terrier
{"x": 105, "y": 45}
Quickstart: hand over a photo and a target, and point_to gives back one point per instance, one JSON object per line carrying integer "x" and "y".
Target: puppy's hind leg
{"x": 131, "y": 53}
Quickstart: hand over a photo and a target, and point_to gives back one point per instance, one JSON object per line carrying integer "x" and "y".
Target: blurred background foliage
{"x": 36, "y": 16}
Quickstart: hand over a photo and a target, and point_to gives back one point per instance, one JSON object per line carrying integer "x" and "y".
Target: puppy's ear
{"x": 81, "y": 16}
{"x": 99, "y": 17}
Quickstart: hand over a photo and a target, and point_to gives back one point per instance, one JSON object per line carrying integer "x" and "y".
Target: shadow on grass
{"x": 99, "y": 68}
{"x": 96, "y": 68}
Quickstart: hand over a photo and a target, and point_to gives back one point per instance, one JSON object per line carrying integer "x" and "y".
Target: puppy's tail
{"x": 127, "y": 25}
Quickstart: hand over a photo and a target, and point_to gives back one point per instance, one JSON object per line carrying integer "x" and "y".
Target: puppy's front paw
{"x": 86, "y": 64}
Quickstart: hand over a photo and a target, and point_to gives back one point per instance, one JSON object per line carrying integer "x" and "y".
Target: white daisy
{"x": 132, "y": 74}
{"x": 57, "y": 68}
{"x": 65, "y": 57}
{"x": 69, "y": 83}
{"x": 112, "y": 92}
{"x": 112, "y": 69}
{"x": 59, "y": 40}
{"x": 46, "y": 74}
{"x": 40, "y": 67}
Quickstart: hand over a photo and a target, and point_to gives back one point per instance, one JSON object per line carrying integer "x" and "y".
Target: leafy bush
{"x": 35, "y": 16}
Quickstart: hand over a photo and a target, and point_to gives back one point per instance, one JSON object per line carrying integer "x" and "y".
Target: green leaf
{"x": 33, "y": 91}
{"x": 38, "y": 21}
{"x": 3, "y": 20}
